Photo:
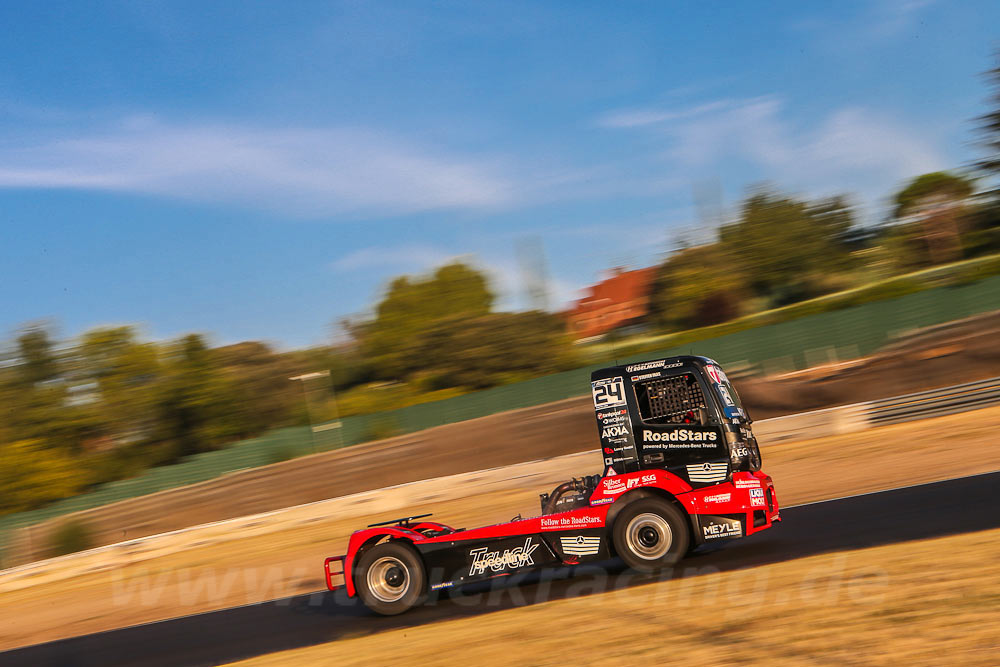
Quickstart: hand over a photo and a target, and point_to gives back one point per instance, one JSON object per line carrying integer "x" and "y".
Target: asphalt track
{"x": 929, "y": 510}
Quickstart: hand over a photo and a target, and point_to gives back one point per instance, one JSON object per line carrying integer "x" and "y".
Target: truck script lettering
{"x": 483, "y": 558}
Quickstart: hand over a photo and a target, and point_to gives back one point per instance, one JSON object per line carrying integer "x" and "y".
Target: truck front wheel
{"x": 390, "y": 578}
{"x": 650, "y": 534}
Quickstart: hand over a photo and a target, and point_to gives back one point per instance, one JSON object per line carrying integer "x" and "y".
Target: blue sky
{"x": 258, "y": 170}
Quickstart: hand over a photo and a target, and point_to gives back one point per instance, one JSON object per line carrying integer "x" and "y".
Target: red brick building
{"x": 619, "y": 301}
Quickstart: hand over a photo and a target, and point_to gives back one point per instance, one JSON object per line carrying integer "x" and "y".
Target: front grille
{"x": 707, "y": 472}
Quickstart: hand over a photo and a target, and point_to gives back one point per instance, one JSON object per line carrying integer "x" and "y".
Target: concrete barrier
{"x": 815, "y": 424}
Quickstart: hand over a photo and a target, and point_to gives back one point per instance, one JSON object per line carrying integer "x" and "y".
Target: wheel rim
{"x": 649, "y": 536}
{"x": 388, "y": 579}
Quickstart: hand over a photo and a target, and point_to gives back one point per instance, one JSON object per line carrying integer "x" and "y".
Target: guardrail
{"x": 935, "y": 403}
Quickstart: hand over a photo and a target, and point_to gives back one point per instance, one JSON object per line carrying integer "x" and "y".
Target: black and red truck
{"x": 681, "y": 469}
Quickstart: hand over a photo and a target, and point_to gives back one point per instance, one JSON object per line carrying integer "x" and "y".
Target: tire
{"x": 650, "y": 534}
{"x": 390, "y": 578}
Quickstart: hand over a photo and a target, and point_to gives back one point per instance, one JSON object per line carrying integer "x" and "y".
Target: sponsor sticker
{"x": 646, "y": 376}
{"x": 715, "y": 527}
{"x": 649, "y": 365}
{"x": 648, "y": 479}
{"x": 716, "y": 373}
{"x": 615, "y": 486}
{"x": 483, "y": 559}
{"x": 680, "y": 435}
{"x": 447, "y": 584}
{"x": 726, "y": 397}
{"x": 608, "y": 393}
{"x": 752, "y": 483}
{"x": 614, "y": 431}
{"x": 572, "y": 522}
{"x": 718, "y": 498}
{"x": 602, "y": 501}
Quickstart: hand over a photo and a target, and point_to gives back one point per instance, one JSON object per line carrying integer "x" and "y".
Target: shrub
{"x": 69, "y": 537}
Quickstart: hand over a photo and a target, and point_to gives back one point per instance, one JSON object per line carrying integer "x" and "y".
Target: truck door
{"x": 678, "y": 427}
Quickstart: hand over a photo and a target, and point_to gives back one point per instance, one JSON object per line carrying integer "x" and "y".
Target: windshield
{"x": 728, "y": 397}
{"x": 670, "y": 400}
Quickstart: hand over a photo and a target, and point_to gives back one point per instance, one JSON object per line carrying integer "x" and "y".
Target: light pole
{"x": 305, "y": 377}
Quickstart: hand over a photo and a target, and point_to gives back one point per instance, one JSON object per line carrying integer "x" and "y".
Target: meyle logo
{"x": 649, "y": 365}
{"x": 612, "y": 431}
{"x": 722, "y": 528}
{"x": 680, "y": 435}
{"x": 483, "y": 558}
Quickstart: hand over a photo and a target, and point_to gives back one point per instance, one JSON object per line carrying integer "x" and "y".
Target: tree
{"x": 786, "y": 246}
{"x": 122, "y": 374}
{"x": 258, "y": 378}
{"x": 411, "y": 307}
{"x": 935, "y": 203}
{"x": 37, "y": 358}
{"x": 990, "y": 128}
{"x": 32, "y": 474}
{"x": 696, "y": 287}
{"x": 495, "y": 349}
{"x": 196, "y": 410}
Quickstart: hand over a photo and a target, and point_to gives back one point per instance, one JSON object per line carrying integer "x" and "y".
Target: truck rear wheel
{"x": 390, "y": 578}
{"x": 650, "y": 534}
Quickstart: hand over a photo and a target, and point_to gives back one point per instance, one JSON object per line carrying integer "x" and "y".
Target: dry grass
{"x": 258, "y": 568}
{"x": 914, "y": 603}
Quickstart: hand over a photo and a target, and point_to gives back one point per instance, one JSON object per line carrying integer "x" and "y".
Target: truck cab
{"x": 680, "y": 414}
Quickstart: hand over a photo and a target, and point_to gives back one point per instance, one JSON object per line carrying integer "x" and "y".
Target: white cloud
{"x": 306, "y": 172}
{"x": 414, "y": 258}
{"x": 852, "y": 148}
{"x": 644, "y": 117}
{"x": 859, "y": 140}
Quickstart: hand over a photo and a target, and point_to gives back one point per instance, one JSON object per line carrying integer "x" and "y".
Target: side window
{"x": 670, "y": 400}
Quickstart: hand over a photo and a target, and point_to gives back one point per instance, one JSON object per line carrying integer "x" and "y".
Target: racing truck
{"x": 681, "y": 469}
